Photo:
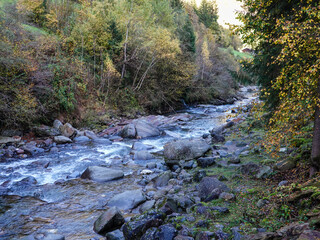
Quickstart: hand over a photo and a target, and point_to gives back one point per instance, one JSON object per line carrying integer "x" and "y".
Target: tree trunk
{"x": 315, "y": 153}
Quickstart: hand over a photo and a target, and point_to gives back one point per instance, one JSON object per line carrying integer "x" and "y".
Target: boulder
{"x": 144, "y": 129}
{"x": 227, "y": 196}
{"x": 142, "y": 155}
{"x": 45, "y": 131}
{"x": 129, "y": 131}
{"x": 5, "y": 140}
{"x": 162, "y": 179}
{"x": 206, "y": 161}
{"x": 68, "y": 131}
{"x": 140, "y": 146}
{"x": 216, "y": 138}
{"x": 90, "y": 134}
{"x": 32, "y": 149}
{"x": 264, "y": 172}
{"x": 11, "y": 133}
{"x": 81, "y": 139}
{"x": 309, "y": 235}
{"x": 185, "y": 149}
{"x": 115, "y": 235}
{"x": 137, "y": 226}
{"x": 250, "y": 169}
{"x": 62, "y": 139}
{"x": 166, "y": 232}
{"x": 209, "y": 186}
{"x": 147, "y": 206}
{"x": 101, "y": 174}
{"x": 285, "y": 165}
{"x": 127, "y": 200}
{"x": 57, "y": 124}
{"x": 109, "y": 221}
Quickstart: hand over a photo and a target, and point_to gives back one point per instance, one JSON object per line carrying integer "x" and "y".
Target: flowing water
{"x": 58, "y": 201}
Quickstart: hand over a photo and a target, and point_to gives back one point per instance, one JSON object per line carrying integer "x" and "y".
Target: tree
{"x": 208, "y": 14}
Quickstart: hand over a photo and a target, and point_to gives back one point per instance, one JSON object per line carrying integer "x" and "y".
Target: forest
{"x": 82, "y": 59}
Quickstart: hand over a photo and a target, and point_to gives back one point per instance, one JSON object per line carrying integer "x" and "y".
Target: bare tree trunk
{"x": 315, "y": 153}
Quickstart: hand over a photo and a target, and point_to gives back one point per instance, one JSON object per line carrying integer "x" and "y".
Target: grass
{"x": 34, "y": 30}
{"x": 237, "y": 54}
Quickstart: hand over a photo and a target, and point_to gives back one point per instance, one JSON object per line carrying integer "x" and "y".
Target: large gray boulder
{"x": 127, "y": 200}
{"x": 210, "y": 188}
{"x": 101, "y": 174}
{"x": 108, "y": 221}
{"x": 185, "y": 149}
{"x": 144, "y": 129}
{"x": 68, "y": 131}
{"x": 129, "y": 131}
{"x": 45, "y": 131}
{"x": 62, "y": 139}
{"x": 57, "y": 124}
{"x": 143, "y": 155}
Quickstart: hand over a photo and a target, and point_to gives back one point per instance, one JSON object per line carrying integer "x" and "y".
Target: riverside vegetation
{"x": 248, "y": 170}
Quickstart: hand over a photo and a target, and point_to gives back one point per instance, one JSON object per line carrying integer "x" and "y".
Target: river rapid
{"x": 52, "y": 198}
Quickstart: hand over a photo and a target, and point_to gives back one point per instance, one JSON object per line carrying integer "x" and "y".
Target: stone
{"x": 45, "y": 131}
{"x": 115, "y": 235}
{"x": 129, "y": 131}
{"x": 101, "y": 174}
{"x": 234, "y": 160}
{"x": 166, "y": 232}
{"x": 285, "y": 165}
{"x": 137, "y": 226}
{"x": 185, "y": 149}
{"x": 250, "y": 169}
{"x": 179, "y": 204}
{"x": 90, "y": 134}
{"x": 81, "y": 139}
{"x": 264, "y": 172}
{"x": 261, "y": 203}
{"x": 52, "y": 236}
{"x": 62, "y": 140}
{"x": 11, "y": 133}
{"x": 283, "y": 183}
{"x": 145, "y": 129}
{"x": 140, "y": 146}
{"x": 149, "y": 234}
{"x": 109, "y": 221}
{"x": 5, "y": 140}
{"x": 181, "y": 237}
{"x": 216, "y": 138}
{"x": 57, "y": 124}
{"x": 209, "y": 185}
{"x": 206, "y": 161}
{"x": 151, "y": 165}
{"x": 68, "y": 131}
{"x": 227, "y": 196}
{"x": 162, "y": 179}
{"x": 128, "y": 199}
{"x": 309, "y": 235}
{"x": 143, "y": 155}
{"x": 32, "y": 149}
{"x": 199, "y": 175}
{"x": 147, "y": 206}
{"x": 222, "y": 153}
{"x": 220, "y": 209}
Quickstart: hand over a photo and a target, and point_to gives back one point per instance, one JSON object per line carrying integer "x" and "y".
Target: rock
{"x": 261, "y": 203}
{"x": 57, "y": 124}
{"x": 162, "y": 179}
{"x": 45, "y": 131}
{"x": 264, "y": 172}
{"x": 309, "y": 235}
{"x": 199, "y": 175}
{"x": 222, "y": 178}
{"x": 62, "y": 139}
{"x": 283, "y": 183}
{"x": 185, "y": 149}
{"x": 186, "y": 164}
{"x": 149, "y": 234}
{"x": 90, "y": 134}
{"x": 32, "y": 149}
{"x": 101, "y": 174}
{"x": 206, "y": 161}
{"x": 109, "y": 221}
{"x": 129, "y": 131}
{"x": 5, "y": 140}
{"x": 234, "y": 160}
{"x": 166, "y": 232}
{"x": 285, "y": 165}
{"x": 25, "y": 182}
{"x": 137, "y": 226}
{"x": 147, "y": 206}
{"x": 216, "y": 138}
{"x": 68, "y": 131}
{"x": 52, "y": 236}
{"x": 250, "y": 169}
{"x": 220, "y": 209}
{"x": 143, "y": 155}
{"x": 227, "y": 196}
{"x": 140, "y": 146}
{"x": 81, "y": 139}
{"x": 115, "y": 235}
{"x": 222, "y": 153}
{"x": 146, "y": 172}
{"x": 128, "y": 199}
{"x": 179, "y": 204}
{"x": 210, "y": 185}
{"x": 202, "y": 236}
{"x": 144, "y": 129}
{"x": 54, "y": 150}
{"x": 220, "y": 235}
{"x": 151, "y": 165}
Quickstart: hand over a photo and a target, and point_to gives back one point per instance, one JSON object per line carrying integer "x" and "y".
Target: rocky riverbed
{"x": 71, "y": 184}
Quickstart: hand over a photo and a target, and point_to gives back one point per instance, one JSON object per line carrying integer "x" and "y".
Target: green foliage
{"x": 208, "y": 14}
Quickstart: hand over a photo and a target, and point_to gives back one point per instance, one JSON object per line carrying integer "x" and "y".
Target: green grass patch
{"x": 34, "y": 30}
{"x": 237, "y": 54}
